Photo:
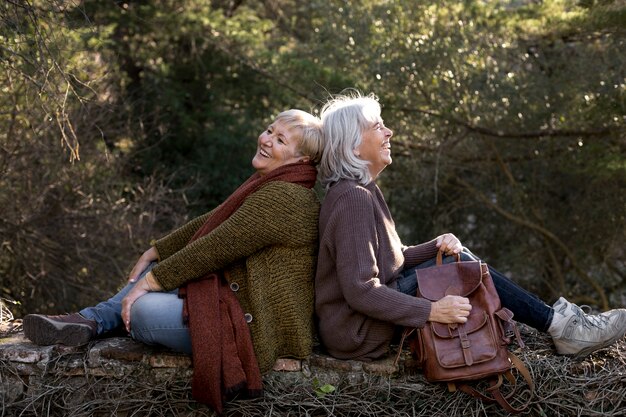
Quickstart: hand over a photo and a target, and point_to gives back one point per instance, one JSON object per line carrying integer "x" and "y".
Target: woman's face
{"x": 375, "y": 146}
{"x": 276, "y": 146}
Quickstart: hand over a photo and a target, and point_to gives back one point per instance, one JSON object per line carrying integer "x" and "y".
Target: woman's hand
{"x": 142, "y": 287}
{"x": 450, "y": 309}
{"x": 449, "y": 244}
{"x": 144, "y": 260}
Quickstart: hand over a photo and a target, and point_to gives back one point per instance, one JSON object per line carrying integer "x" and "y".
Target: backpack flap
{"x": 457, "y": 278}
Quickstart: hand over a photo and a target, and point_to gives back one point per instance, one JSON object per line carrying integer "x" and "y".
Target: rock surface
{"x": 29, "y": 371}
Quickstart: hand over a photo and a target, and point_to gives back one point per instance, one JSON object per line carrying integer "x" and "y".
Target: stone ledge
{"x": 33, "y": 359}
{"x": 24, "y": 364}
{"x": 118, "y": 376}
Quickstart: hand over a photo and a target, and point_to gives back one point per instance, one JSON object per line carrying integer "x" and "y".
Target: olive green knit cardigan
{"x": 267, "y": 250}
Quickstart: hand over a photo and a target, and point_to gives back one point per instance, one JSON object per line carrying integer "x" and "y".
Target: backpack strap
{"x": 405, "y": 333}
{"x": 495, "y": 384}
{"x": 519, "y": 364}
{"x": 509, "y": 328}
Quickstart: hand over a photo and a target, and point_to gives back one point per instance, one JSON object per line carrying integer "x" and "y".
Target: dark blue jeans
{"x": 526, "y": 307}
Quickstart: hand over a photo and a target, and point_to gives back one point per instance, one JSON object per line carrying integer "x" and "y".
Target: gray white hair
{"x": 344, "y": 119}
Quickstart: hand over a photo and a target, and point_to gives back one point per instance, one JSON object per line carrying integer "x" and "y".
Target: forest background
{"x": 120, "y": 120}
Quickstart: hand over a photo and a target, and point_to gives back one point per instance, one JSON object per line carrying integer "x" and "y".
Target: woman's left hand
{"x": 144, "y": 260}
{"x": 142, "y": 287}
{"x": 449, "y": 244}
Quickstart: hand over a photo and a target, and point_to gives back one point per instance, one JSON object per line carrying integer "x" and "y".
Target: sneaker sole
{"x": 591, "y": 349}
{"x": 43, "y": 331}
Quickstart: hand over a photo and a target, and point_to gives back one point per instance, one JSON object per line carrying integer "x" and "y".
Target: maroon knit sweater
{"x": 360, "y": 257}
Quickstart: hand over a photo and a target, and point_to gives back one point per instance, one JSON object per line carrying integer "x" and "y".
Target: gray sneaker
{"x": 69, "y": 329}
{"x": 581, "y": 334}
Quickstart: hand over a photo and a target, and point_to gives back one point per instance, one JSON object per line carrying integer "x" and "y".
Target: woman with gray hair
{"x": 365, "y": 282}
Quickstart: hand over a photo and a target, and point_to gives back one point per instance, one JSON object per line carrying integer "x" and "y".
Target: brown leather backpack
{"x": 475, "y": 350}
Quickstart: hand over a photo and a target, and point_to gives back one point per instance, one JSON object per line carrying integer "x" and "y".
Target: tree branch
{"x": 542, "y": 231}
{"x": 511, "y": 135}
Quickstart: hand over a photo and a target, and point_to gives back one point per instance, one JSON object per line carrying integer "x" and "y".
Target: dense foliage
{"x": 119, "y": 120}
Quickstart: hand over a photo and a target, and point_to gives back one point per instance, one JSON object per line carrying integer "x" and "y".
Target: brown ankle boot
{"x": 69, "y": 329}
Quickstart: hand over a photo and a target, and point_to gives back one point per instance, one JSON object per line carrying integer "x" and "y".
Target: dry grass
{"x": 595, "y": 386}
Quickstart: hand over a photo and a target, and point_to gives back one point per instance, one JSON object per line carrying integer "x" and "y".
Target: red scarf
{"x": 223, "y": 354}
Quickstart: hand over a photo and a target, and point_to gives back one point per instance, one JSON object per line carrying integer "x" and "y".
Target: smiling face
{"x": 278, "y": 145}
{"x": 375, "y": 146}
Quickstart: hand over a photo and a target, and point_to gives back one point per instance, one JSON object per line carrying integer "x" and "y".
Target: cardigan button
{"x": 248, "y": 317}
{"x": 234, "y": 286}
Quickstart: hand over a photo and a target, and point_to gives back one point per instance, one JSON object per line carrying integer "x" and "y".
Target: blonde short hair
{"x": 310, "y": 127}
{"x": 344, "y": 118}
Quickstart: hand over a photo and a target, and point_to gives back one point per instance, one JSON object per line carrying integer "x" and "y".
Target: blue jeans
{"x": 155, "y": 318}
{"x": 526, "y": 307}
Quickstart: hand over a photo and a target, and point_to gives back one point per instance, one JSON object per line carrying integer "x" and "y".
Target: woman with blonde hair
{"x": 233, "y": 287}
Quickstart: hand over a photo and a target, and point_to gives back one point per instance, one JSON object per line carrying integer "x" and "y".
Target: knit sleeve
{"x": 177, "y": 239}
{"x": 269, "y": 216}
{"x": 356, "y": 237}
{"x": 417, "y": 254}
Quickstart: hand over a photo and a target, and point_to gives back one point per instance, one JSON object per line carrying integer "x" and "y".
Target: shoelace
{"x": 589, "y": 320}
